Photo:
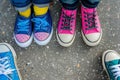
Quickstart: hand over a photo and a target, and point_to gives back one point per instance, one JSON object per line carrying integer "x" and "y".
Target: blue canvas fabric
{"x": 43, "y": 23}
{"x": 72, "y": 4}
{"x": 4, "y": 58}
{"x": 111, "y": 71}
{"x": 23, "y": 25}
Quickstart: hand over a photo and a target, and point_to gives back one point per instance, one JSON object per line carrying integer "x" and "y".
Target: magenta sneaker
{"x": 91, "y": 29}
{"x": 66, "y": 27}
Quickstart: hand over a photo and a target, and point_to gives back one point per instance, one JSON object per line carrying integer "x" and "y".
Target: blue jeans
{"x": 72, "y": 4}
{"x": 22, "y": 5}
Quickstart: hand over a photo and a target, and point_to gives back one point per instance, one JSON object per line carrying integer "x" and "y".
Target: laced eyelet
{"x": 66, "y": 23}
{"x": 115, "y": 70}
{"x": 90, "y": 20}
{"x": 5, "y": 67}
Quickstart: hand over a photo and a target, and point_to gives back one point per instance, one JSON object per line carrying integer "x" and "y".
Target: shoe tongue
{"x": 68, "y": 12}
{"x": 90, "y": 10}
{"x": 3, "y": 77}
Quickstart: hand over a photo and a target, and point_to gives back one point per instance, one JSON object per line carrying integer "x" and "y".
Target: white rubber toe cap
{"x": 66, "y": 38}
{"x": 111, "y": 55}
{"x": 3, "y": 48}
{"x": 93, "y": 37}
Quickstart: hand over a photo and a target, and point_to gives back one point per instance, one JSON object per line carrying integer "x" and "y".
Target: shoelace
{"x": 115, "y": 70}
{"x": 66, "y": 22}
{"x": 23, "y": 25}
{"x": 41, "y": 24}
{"x": 90, "y": 20}
{"x": 5, "y": 67}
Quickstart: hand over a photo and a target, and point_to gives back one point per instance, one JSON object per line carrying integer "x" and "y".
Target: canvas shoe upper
{"x": 66, "y": 27}
{"x": 91, "y": 28}
{"x": 43, "y": 29}
{"x": 23, "y": 31}
{"x": 111, "y": 63}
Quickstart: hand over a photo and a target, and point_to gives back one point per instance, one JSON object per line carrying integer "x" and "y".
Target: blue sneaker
{"x": 111, "y": 64}
{"x": 43, "y": 29}
{"x": 8, "y": 65}
{"x": 23, "y": 31}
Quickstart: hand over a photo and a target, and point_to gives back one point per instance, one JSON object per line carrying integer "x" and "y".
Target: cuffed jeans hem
{"x": 89, "y": 5}
{"x": 22, "y": 8}
{"x": 40, "y": 2}
{"x": 41, "y": 5}
{"x": 70, "y": 6}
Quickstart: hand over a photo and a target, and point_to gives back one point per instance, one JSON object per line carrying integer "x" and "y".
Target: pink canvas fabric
{"x": 90, "y": 20}
{"x": 67, "y": 22}
{"x": 22, "y": 38}
{"x": 41, "y": 36}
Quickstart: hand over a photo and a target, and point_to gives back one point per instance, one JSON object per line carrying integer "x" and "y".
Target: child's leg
{"x": 23, "y": 7}
{"x": 23, "y": 26}
{"x": 90, "y": 3}
{"x": 43, "y": 29}
{"x": 69, "y": 4}
{"x": 67, "y": 23}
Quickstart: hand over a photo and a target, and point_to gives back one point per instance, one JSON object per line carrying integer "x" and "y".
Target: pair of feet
{"x": 37, "y": 27}
{"x": 40, "y": 28}
{"x": 91, "y": 29}
{"x": 9, "y": 70}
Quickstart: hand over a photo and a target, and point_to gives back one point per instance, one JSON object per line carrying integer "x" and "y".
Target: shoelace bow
{"x": 41, "y": 24}
{"x": 90, "y": 20}
{"x": 23, "y": 25}
{"x": 115, "y": 70}
{"x": 5, "y": 67}
{"x": 66, "y": 21}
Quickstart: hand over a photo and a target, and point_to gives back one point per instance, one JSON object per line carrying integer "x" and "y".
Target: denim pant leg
{"x": 41, "y": 3}
{"x": 90, "y": 3}
{"x": 69, "y": 4}
{"x": 21, "y": 5}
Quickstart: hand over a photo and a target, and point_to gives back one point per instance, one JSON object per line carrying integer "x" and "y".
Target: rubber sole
{"x": 65, "y": 44}
{"x": 14, "y": 56}
{"x": 26, "y": 44}
{"x": 91, "y": 43}
{"x": 45, "y": 42}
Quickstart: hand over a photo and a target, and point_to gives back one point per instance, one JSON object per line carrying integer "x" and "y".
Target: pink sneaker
{"x": 66, "y": 27}
{"x": 91, "y": 30}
